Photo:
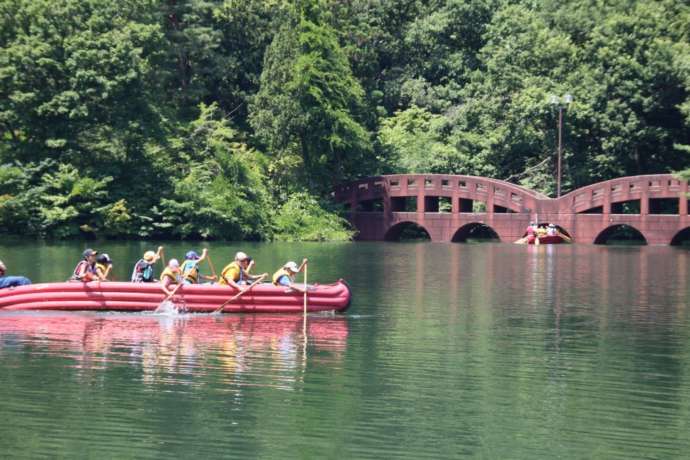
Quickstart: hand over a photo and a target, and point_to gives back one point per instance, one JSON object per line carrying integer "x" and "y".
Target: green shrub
{"x": 301, "y": 218}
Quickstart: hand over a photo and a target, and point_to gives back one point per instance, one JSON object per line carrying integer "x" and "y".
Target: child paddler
{"x": 143, "y": 269}
{"x": 11, "y": 281}
{"x": 236, "y": 273}
{"x": 103, "y": 266}
{"x": 190, "y": 267}
{"x": 85, "y": 270}
{"x": 171, "y": 277}
{"x": 285, "y": 276}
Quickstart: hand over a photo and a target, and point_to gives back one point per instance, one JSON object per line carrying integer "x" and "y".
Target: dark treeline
{"x": 233, "y": 119}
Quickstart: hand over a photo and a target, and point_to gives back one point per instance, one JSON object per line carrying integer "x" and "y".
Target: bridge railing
{"x": 641, "y": 189}
{"x": 492, "y": 192}
{"x": 599, "y": 198}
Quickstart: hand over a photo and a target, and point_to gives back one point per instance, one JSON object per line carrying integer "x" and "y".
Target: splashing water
{"x": 170, "y": 308}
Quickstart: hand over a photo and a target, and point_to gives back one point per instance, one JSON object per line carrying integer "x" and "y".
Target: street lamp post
{"x": 561, "y": 103}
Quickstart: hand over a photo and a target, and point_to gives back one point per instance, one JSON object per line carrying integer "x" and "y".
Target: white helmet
{"x": 240, "y": 256}
{"x": 174, "y": 263}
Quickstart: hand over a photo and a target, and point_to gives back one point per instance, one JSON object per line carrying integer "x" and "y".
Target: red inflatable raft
{"x": 263, "y": 298}
{"x": 552, "y": 239}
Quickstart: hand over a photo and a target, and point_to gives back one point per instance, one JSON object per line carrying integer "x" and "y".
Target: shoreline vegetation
{"x": 223, "y": 120}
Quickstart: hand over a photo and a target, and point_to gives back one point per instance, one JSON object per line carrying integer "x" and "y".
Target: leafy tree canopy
{"x": 234, "y": 119}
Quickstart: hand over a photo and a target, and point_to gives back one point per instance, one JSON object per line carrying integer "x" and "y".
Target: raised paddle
{"x": 238, "y": 295}
{"x": 210, "y": 264}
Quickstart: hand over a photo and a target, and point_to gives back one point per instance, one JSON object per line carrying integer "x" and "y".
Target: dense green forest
{"x": 233, "y": 119}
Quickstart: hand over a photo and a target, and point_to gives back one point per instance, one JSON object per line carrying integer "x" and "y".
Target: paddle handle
{"x": 238, "y": 295}
{"x": 210, "y": 264}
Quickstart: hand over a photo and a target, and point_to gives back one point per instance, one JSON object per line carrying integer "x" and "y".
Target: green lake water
{"x": 489, "y": 351}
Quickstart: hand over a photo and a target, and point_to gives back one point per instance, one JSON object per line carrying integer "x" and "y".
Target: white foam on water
{"x": 169, "y": 308}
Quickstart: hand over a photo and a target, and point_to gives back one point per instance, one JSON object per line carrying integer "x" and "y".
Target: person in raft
{"x": 171, "y": 276}
{"x": 190, "y": 267}
{"x": 103, "y": 266}
{"x": 143, "y": 269}
{"x": 286, "y": 276}
{"x": 531, "y": 233}
{"x": 85, "y": 270}
{"x": 11, "y": 281}
{"x": 236, "y": 273}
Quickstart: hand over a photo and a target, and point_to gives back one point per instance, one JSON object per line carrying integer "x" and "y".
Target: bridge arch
{"x": 681, "y": 238}
{"x": 475, "y": 230}
{"x": 620, "y": 232}
{"x": 406, "y": 228}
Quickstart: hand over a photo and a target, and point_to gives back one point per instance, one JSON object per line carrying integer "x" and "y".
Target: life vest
{"x": 232, "y": 271}
{"x": 280, "y": 273}
{"x": 190, "y": 271}
{"x": 88, "y": 270}
{"x": 143, "y": 272}
{"x": 103, "y": 268}
{"x": 171, "y": 275}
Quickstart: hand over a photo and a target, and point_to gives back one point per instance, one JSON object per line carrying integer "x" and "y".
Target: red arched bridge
{"x": 452, "y": 208}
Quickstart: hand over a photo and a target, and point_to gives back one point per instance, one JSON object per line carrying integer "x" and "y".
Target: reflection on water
{"x": 448, "y": 351}
{"x": 174, "y": 348}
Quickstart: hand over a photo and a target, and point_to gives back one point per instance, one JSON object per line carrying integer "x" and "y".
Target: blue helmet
{"x": 191, "y": 255}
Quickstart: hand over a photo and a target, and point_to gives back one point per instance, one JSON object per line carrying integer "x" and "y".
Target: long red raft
{"x": 112, "y": 296}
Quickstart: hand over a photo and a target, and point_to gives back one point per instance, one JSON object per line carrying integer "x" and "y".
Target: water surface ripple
{"x": 448, "y": 351}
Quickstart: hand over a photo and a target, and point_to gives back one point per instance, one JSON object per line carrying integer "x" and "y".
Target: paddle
{"x": 210, "y": 264}
{"x": 304, "y": 322}
{"x": 565, "y": 237}
{"x": 305, "y": 292}
{"x": 238, "y": 295}
{"x": 170, "y": 296}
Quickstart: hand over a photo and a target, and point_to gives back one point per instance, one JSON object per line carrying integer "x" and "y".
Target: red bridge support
{"x": 446, "y": 206}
